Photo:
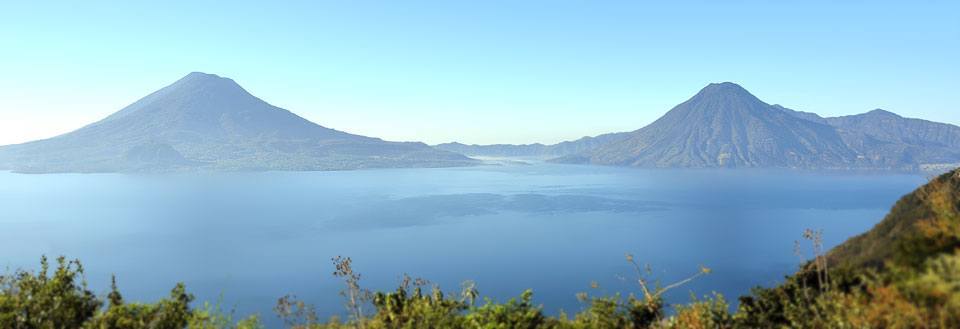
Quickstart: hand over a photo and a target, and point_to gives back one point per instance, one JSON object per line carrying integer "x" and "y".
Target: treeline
{"x": 896, "y": 297}
{"x": 60, "y": 300}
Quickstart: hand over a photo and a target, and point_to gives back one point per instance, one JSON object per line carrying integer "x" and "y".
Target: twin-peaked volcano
{"x": 204, "y": 121}
{"x": 725, "y": 126}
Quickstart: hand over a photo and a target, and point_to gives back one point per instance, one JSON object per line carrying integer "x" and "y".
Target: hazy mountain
{"x": 725, "y": 126}
{"x": 203, "y": 121}
{"x": 533, "y": 150}
{"x": 884, "y": 139}
{"x": 802, "y": 115}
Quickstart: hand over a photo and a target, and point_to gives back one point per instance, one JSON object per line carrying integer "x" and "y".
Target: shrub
{"x": 42, "y": 300}
{"x": 519, "y": 314}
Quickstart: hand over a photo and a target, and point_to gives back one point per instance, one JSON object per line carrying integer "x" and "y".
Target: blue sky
{"x": 477, "y": 71}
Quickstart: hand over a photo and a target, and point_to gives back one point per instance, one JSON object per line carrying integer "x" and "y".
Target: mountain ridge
{"x": 723, "y": 125}
{"x": 534, "y": 150}
{"x": 204, "y": 121}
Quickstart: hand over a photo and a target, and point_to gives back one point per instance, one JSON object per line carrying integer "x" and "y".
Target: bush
{"x": 40, "y": 300}
{"x": 519, "y": 314}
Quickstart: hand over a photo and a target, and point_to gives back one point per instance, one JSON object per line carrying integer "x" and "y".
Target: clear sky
{"x": 486, "y": 71}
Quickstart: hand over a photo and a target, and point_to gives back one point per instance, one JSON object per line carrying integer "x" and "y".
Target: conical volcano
{"x": 204, "y": 121}
{"x": 724, "y": 125}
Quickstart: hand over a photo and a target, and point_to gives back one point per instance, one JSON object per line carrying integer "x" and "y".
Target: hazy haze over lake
{"x": 554, "y": 228}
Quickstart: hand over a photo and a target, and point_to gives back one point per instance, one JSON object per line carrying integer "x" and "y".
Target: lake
{"x": 249, "y": 238}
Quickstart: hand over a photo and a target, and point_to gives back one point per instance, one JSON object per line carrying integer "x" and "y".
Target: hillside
{"x": 207, "y": 122}
{"x": 903, "y": 273}
{"x": 920, "y": 225}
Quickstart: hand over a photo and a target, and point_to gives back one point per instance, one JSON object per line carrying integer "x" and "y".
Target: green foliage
{"x": 519, "y": 314}
{"x": 603, "y": 312}
{"x": 61, "y": 300}
{"x": 711, "y": 312}
{"x": 904, "y": 273}
{"x": 42, "y": 300}
{"x": 214, "y": 317}
{"x": 617, "y": 312}
{"x": 172, "y": 312}
{"x": 405, "y": 309}
{"x": 921, "y": 225}
{"x": 898, "y": 297}
{"x": 935, "y": 290}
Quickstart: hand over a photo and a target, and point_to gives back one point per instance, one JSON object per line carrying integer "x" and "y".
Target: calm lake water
{"x": 248, "y": 239}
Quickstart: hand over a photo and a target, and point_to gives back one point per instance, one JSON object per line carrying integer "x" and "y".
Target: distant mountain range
{"x": 207, "y": 122}
{"x": 541, "y": 151}
{"x": 724, "y": 126}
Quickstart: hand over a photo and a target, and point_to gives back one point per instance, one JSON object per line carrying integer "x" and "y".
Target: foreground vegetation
{"x": 905, "y": 273}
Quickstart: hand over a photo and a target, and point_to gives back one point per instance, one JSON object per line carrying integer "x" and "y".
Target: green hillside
{"x": 921, "y": 225}
{"x": 903, "y": 273}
